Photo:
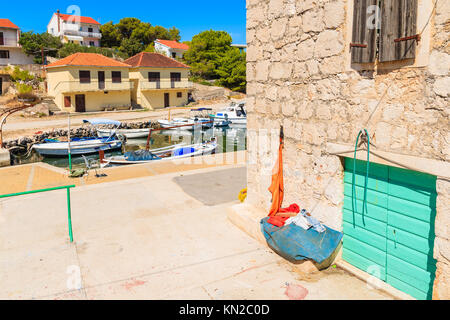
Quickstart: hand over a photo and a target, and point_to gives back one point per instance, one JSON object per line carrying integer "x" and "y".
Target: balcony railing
{"x": 83, "y": 34}
{"x": 9, "y": 42}
{"x": 93, "y": 86}
{"x": 165, "y": 84}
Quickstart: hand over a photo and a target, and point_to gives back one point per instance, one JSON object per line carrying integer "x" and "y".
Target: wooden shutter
{"x": 398, "y": 21}
{"x": 363, "y": 46}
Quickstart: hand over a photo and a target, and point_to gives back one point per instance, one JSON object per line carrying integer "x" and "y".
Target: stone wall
{"x": 299, "y": 77}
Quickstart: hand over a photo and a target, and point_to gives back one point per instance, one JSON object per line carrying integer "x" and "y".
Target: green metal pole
{"x": 34, "y": 192}
{"x": 69, "y": 211}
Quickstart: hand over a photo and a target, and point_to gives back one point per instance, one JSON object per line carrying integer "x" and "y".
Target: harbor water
{"x": 228, "y": 140}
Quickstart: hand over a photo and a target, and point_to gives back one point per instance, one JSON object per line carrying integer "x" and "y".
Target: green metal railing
{"x": 69, "y": 209}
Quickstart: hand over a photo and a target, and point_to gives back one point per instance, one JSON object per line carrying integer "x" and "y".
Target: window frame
{"x": 116, "y": 78}
{"x": 423, "y": 52}
{"x": 85, "y": 79}
{"x": 7, "y": 55}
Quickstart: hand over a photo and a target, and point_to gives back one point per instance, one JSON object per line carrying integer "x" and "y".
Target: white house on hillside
{"x": 10, "y": 49}
{"x": 172, "y": 49}
{"x": 76, "y": 29}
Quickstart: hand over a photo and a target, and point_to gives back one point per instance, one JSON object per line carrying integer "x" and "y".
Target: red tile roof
{"x": 156, "y": 60}
{"x": 89, "y": 20}
{"x": 88, "y": 60}
{"x": 174, "y": 44}
{"x": 6, "y": 23}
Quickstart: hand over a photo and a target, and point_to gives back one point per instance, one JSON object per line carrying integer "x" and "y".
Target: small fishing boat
{"x": 83, "y": 146}
{"x": 199, "y": 119}
{"x": 235, "y": 114}
{"x": 163, "y": 154}
{"x": 185, "y": 124}
{"x": 105, "y": 132}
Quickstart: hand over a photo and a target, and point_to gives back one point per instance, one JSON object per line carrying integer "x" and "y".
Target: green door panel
{"x": 364, "y": 264}
{"x": 408, "y": 224}
{"x": 396, "y": 233}
{"x": 412, "y": 256}
{"x": 421, "y": 181}
{"x": 372, "y": 225}
{"x": 412, "y": 194}
{"x": 378, "y": 171}
{"x": 410, "y": 240}
{"x": 411, "y": 281}
{"x": 402, "y": 286}
{"x": 412, "y": 209}
{"x": 365, "y": 250}
{"x": 372, "y": 183}
{"x": 373, "y": 197}
{"x": 368, "y": 237}
{"x": 373, "y": 211}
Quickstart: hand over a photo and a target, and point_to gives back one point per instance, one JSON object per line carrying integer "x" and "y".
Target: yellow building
{"x": 87, "y": 82}
{"x": 158, "y": 81}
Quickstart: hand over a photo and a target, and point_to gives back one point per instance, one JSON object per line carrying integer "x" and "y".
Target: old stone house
{"x": 326, "y": 69}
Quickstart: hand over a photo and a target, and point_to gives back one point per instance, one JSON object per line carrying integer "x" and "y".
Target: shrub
{"x": 21, "y": 75}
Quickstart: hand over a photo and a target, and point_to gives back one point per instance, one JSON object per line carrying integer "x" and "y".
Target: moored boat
{"x": 163, "y": 154}
{"x": 107, "y": 132}
{"x": 234, "y": 114}
{"x": 83, "y": 146}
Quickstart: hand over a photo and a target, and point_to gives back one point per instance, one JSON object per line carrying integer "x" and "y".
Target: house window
{"x": 90, "y": 30}
{"x": 92, "y": 43}
{"x": 2, "y": 41}
{"x": 154, "y": 76}
{"x": 85, "y": 77}
{"x": 116, "y": 76}
{"x": 4, "y": 54}
{"x": 385, "y": 28}
{"x": 179, "y": 94}
{"x": 175, "y": 76}
{"x": 174, "y": 55}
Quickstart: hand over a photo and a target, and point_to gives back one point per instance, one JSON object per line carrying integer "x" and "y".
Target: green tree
{"x": 211, "y": 57}
{"x": 232, "y": 70}
{"x": 32, "y": 43}
{"x": 131, "y": 47}
{"x": 132, "y": 36}
{"x": 111, "y": 37}
{"x": 174, "y": 34}
{"x": 127, "y": 25}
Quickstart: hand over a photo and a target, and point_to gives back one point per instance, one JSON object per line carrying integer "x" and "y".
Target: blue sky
{"x": 191, "y": 17}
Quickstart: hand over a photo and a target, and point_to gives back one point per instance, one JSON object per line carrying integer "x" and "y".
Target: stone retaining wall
{"x": 299, "y": 76}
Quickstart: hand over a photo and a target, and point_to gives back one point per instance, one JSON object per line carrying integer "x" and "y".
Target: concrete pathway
{"x": 146, "y": 238}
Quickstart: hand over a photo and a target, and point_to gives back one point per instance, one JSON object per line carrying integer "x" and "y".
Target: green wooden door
{"x": 393, "y": 240}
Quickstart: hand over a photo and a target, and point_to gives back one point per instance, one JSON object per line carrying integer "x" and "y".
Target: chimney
{"x": 59, "y": 21}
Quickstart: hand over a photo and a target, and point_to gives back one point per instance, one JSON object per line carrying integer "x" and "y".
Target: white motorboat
{"x": 163, "y": 154}
{"x": 83, "y": 146}
{"x": 235, "y": 114}
{"x": 107, "y": 132}
{"x": 185, "y": 124}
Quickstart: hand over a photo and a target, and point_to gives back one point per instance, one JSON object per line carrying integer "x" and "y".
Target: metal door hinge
{"x": 358, "y": 45}
{"x": 414, "y": 37}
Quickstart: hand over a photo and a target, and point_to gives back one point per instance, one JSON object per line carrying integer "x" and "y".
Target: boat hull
{"x": 128, "y": 133}
{"x": 61, "y": 149}
{"x": 201, "y": 150}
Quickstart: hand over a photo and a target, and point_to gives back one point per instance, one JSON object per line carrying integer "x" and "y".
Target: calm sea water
{"x": 229, "y": 140}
